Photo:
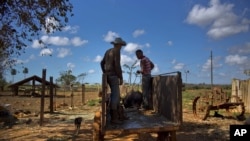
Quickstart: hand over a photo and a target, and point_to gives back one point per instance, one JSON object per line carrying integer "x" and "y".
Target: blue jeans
{"x": 113, "y": 82}
{"x": 146, "y": 89}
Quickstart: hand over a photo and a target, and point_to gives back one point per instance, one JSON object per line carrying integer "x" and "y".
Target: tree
{"x": 130, "y": 68}
{"x": 23, "y": 20}
{"x": 25, "y": 71}
{"x": 2, "y": 79}
{"x": 67, "y": 78}
{"x": 2, "y": 82}
{"x": 247, "y": 72}
{"x": 13, "y": 73}
{"x": 81, "y": 77}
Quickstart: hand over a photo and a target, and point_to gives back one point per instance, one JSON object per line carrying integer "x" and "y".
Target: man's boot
{"x": 114, "y": 117}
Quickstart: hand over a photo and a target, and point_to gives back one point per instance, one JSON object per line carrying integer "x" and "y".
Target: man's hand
{"x": 138, "y": 72}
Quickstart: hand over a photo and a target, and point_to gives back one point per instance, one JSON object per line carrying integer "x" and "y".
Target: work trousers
{"x": 146, "y": 90}
{"x": 113, "y": 82}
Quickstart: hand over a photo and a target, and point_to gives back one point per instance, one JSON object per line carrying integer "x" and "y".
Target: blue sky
{"x": 175, "y": 35}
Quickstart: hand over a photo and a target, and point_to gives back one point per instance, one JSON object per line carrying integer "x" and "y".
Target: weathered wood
{"x": 167, "y": 96}
{"x": 165, "y": 119}
{"x": 51, "y": 96}
{"x": 104, "y": 97}
{"x": 83, "y": 94}
{"x": 140, "y": 122}
{"x": 97, "y": 134}
{"x": 241, "y": 89}
{"x": 42, "y": 97}
{"x": 166, "y": 136}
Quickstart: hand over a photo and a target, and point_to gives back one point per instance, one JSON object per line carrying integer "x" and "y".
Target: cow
{"x": 133, "y": 99}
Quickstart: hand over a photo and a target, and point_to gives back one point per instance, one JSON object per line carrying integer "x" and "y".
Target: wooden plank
{"x": 168, "y": 128}
{"x": 167, "y": 96}
{"x": 104, "y": 108}
{"x": 140, "y": 122}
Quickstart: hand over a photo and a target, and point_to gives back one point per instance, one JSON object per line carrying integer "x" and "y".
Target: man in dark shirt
{"x": 110, "y": 65}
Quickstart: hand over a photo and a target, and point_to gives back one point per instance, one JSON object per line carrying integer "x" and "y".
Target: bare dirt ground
{"x": 59, "y": 126}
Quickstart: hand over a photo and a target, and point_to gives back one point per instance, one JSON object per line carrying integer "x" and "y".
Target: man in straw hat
{"x": 110, "y": 65}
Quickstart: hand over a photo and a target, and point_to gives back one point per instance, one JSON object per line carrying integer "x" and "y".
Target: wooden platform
{"x": 142, "y": 121}
{"x": 166, "y": 97}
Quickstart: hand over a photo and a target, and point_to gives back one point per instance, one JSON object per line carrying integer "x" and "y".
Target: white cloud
{"x": 156, "y": 69}
{"x": 86, "y": 59}
{"x": 98, "y": 58}
{"x": 179, "y": 66}
{"x": 58, "y": 41}
{"x": 173, "y": 61}
{"x": 71, "y": 29}
{"x": 110, "y": 36}
{"x": 241, "y": 49}
{"x": 220, "y": 19}
{"x": 32, "y": 56}
{"x": 62, "y": 52}
{"x": 70, "y": 66}
{"x": 236, "y": 59}
{"x": 46, "y": 51}
{"x": 138, "y": 32}
{"x": 131, "y": 47}
{"x": 222, "y": 74}
{"x": 202, "y": 16}
{"x": 220, "y": 32}
{"x": 169, "y": 43}
{"x": 147, "y": 45}
{"x": 126, "y": 60}
{"x": 91, "y": 71}
{"x": 207, "y": 65}
{"x": 76, "y": 41}
{"x": 55, "y": 40}
{"x": 36, "y": 44}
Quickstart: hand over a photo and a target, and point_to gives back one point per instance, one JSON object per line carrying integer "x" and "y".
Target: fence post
{"x": 42, "y": 97}
{"x": 51, "y": 95}
{"x": 83, "y": 94}
{"x": 72, "y": 96}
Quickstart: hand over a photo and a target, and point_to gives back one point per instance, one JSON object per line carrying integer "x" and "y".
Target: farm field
{"x": 60, "y": 124}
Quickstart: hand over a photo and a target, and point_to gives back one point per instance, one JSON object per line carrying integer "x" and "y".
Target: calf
{"x": 133, "y": 99}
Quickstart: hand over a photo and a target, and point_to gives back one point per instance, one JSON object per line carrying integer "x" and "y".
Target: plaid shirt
{"x": 145, "y": 64}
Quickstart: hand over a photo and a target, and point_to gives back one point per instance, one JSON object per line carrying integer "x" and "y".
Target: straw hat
{"x": 119, "y": 41}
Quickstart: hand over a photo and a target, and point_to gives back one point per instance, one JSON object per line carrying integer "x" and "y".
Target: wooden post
{"x": 55, "y": 95}
{"x": 83, "y": 94}
{"x": 51, "y": 95}
{"x": 72, "y": 96}
{"x": 42, "y": 97}
{"x": 104, "y": 95}
{"x": 33, "y": 87}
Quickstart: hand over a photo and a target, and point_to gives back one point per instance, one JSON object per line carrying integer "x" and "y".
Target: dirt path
{"x": 59, "y": 125}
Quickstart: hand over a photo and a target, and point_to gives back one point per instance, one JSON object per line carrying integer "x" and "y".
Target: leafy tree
{"x": 66, "y": 78}
{"x": 25, "y": 71}
{"x": 23, "y": 20}
{"x": 13, "y": 73}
